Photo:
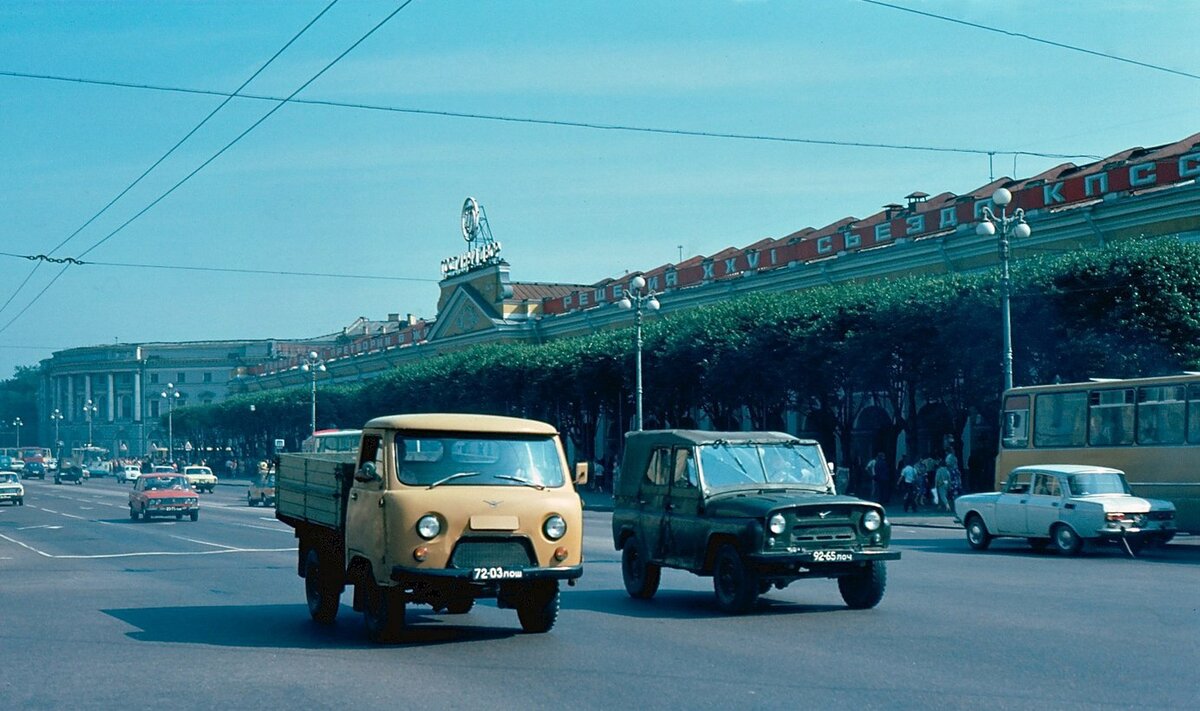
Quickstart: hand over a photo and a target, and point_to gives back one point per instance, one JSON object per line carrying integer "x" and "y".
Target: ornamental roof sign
{"x": 482, "y": 249}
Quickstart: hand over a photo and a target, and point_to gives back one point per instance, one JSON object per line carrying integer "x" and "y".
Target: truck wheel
{"x": 641, "y": 577}
{"x": 249, "y": 499}
{"x": 323, "y": 596}
{"x": 977, "y": 534}
{"x": 460, "y": 607}
{"x": 538, "y": 606}
{"x": 735, "y": 586}
{"x": 1066, "y": 541}
{"x": 383, "y": 612}
{"x": 863, "y": 590}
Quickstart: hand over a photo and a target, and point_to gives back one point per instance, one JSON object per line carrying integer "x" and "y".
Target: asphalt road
{"x": 97, "y": 611}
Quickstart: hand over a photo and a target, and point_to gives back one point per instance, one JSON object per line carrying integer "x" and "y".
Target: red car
{"x": 163, "y": 495}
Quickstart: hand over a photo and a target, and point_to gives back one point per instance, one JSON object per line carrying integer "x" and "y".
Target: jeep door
{"x": 653, "y": 494}
{"x": 366, "y": 530}
{"x": 686, "y": 529}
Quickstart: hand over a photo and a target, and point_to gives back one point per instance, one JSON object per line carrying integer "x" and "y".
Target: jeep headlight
{"x": 777, "y": 524}
{"x": 872, "y": 521}
{"x": 428, "y": 526}
{"x": 554, "y": 527}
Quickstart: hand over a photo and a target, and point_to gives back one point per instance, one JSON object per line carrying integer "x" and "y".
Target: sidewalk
{"x": 602, "y": 501}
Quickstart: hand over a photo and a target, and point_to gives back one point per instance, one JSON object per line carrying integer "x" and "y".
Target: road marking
{"x": 44, "y": 525}
{"x": 81, "y": 518}
{"x": 206, "y": 543}
{"x": 49, "y": 510}
{"x": 144, "y": 554}
{"x": 280, "y": 529}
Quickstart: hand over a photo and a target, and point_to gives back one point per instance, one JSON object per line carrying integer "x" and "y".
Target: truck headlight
{"x": 428, "y": 526}
{"x": 554, "y": 527}
{"x": 872, "y": 521}
{"x": 777, "y": 523}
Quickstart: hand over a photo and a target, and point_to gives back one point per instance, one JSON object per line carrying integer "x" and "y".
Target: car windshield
{"x": 740, "y": 465}
{"x": 1097, "y": 483}
{"x": 470, "y": 460}
{"x": 8, "y": 479}
{"x": 165, "y": 482}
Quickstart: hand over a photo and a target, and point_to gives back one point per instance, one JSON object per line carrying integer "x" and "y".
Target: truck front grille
{"x": 487, "y": 553}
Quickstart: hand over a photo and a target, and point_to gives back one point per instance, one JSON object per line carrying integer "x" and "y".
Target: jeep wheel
{"x": 735, "y": 586}
{"x": 641, "y": 577}
{"x": 383, "y": 612}
{"x": 977, "y": 534}
{"x": 1066, "y": 541}
{"x": 537, "y": 608}
{"x": 324, "y": 596}
{"x": 863, "y": 589}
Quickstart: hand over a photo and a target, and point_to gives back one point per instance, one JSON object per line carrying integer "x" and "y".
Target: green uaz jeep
{"x": 751, "y": 509}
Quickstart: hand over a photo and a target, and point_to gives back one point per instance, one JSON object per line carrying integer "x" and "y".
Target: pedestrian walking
{"x": 942, "y": 481}
{"x": 908, "y": 485}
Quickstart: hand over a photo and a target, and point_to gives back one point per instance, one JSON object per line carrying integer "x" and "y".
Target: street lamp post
{"x": 170, "y": 395}
{"x": 637, "y": 297}
{"x": 17, "y": 423}
{"x": 1009, "y": 225}
{"x": 313, "y": 364}
{"x": 90, "y": 409}
{"x": 56, "y": 416}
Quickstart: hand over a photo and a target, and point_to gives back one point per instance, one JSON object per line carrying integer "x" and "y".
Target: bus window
{"x": 1016, "y": 422}
{"x": 1193, "y": 424}
{"x": 1160, "y": 415}
{"x": 1060, "y": 419}
{"x": 1110, "y": 417}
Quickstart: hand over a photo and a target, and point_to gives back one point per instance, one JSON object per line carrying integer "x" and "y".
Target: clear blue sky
{"x": 350, "y": 191}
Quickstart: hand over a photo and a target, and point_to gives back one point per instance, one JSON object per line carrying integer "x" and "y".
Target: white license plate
{"x": 832, "y": 557}
{"x": 496, "y": 573}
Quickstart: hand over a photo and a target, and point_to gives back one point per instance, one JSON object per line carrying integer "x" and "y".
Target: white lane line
{"x": 280, "y": 529}
{"x": 44, "y": 525}
{"x": 49, "y": 510}
{"x": 144, "y": 554}
{"x": 81, "y": 518}
{"x": 206, "y": 543}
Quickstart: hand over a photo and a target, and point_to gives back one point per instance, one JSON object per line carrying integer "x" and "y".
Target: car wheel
{"x": 1039, "y": 544}
{"x": 133, "y": 514}
{"x": 195, "y": 515}
{"x": 249, "y": 500}
{"x": 323, "y": 596}
{"x": 735, "y": 586}
{"x": 383, "y": 612}
{"x": 537, "y": 608}
{"x": 641, "y": 576}
{"x": 1066, "y": 541}
{"x": 977, "y": 534}
{"x": 863, "y": 589}
{"x": 20, "y": 502}
{"x": 179, "y": 517}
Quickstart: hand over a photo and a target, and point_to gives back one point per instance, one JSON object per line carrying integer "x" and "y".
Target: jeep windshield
{"x": 751, "y": 465}
{"x": 471, "y": 460}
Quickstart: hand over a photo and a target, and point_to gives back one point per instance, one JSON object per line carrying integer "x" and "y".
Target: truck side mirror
{"x": 366, "y": 473}
{"x": 581, "y": 473}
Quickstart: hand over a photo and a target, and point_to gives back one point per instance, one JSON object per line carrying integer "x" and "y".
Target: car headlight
{"x": 872, "y": 521}
{"x": 193, "y": 502}
{"x": 776, "y": 524}
{"x": 428, "y": 526}
{"x": 554, "y": 527}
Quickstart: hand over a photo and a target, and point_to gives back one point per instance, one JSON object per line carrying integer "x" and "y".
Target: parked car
{"x": 751, "y": 510}
{"x": 128, "y": 473}
{"x": 11, "y": 489}
{"x": 200, "y": 477}
{"x": 261, "y": 491}
{"x": 71, "y": 472}
{"x": 34, "y": 470}
{"x": 163, "y": 495}
{"x": 1065, "y": 505}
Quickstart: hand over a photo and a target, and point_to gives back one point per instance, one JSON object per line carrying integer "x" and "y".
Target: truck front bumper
{"x": 484, "y": 575}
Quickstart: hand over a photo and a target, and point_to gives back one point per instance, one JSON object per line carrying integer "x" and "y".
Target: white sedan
{"x": 1065, "y": 504}
{"x": 127, "y": 473}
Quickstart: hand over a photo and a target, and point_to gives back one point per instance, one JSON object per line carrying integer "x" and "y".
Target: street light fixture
{"x": 89, "y": 410}
{"x": 171, "y": 395}
{"x": 637, "y": 297}
{"x": 313, "y": 364}
{"x": 1009, "y": 225}
{"x": 17, "y": 423}
{"x": 56, "y": 416}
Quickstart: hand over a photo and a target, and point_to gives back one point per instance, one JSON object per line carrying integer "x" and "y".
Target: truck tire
{"x": 735, "y": 586}
{"x": 324, "y": 597}
{"x": 537, "y": 608}
{"x": 863, "y": 590}
{"x": 641, "y": 577}
{"x": 383, "y": 612}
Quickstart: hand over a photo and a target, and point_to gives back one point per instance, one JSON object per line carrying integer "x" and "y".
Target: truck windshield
{"x": 470, "y": 460}
{"x": 741, "y": 465}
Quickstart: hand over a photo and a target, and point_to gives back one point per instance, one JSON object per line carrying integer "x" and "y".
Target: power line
{"x": 1039, "y": 40}
{"x": 167, "y": 154}
{"x": 42, "y": 258}
{"x": 564, "y": 123}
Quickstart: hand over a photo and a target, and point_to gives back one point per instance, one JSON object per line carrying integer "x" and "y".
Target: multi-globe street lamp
{"x": 1015, "y": 226}
{"x": 313, "y": 364}
{"x": 637, "y": 297}
{"x": 170, "y": 394}
{"x": 56, "y": 416}
{"x": 17, "y": 423}
{"x": 89, "y": 411}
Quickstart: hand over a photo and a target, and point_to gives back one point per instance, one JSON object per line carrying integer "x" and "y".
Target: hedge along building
{"x": 1137, "y": 192}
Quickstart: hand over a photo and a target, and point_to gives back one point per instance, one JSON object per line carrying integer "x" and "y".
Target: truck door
{"x": 685, "y": 531}
{"x": 653, "y": 490}
{"x": 366, "y": 529}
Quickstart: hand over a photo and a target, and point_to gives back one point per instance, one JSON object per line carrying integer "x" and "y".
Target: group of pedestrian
{"x": 930, "y": 482}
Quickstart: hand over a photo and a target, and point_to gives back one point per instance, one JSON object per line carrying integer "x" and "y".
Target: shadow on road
{"x": 1173, "y": 553}
{"x": 678, "y": 605}
{"x": 287, "y": 626}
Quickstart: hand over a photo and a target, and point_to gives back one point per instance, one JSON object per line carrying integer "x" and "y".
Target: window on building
{"x": 208, "y": 377}
{"x": 181, "y": 377}
{"x": 154, "y": 378}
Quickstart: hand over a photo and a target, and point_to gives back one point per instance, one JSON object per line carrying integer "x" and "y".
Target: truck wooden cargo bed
{"x": 311, "y": 488}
